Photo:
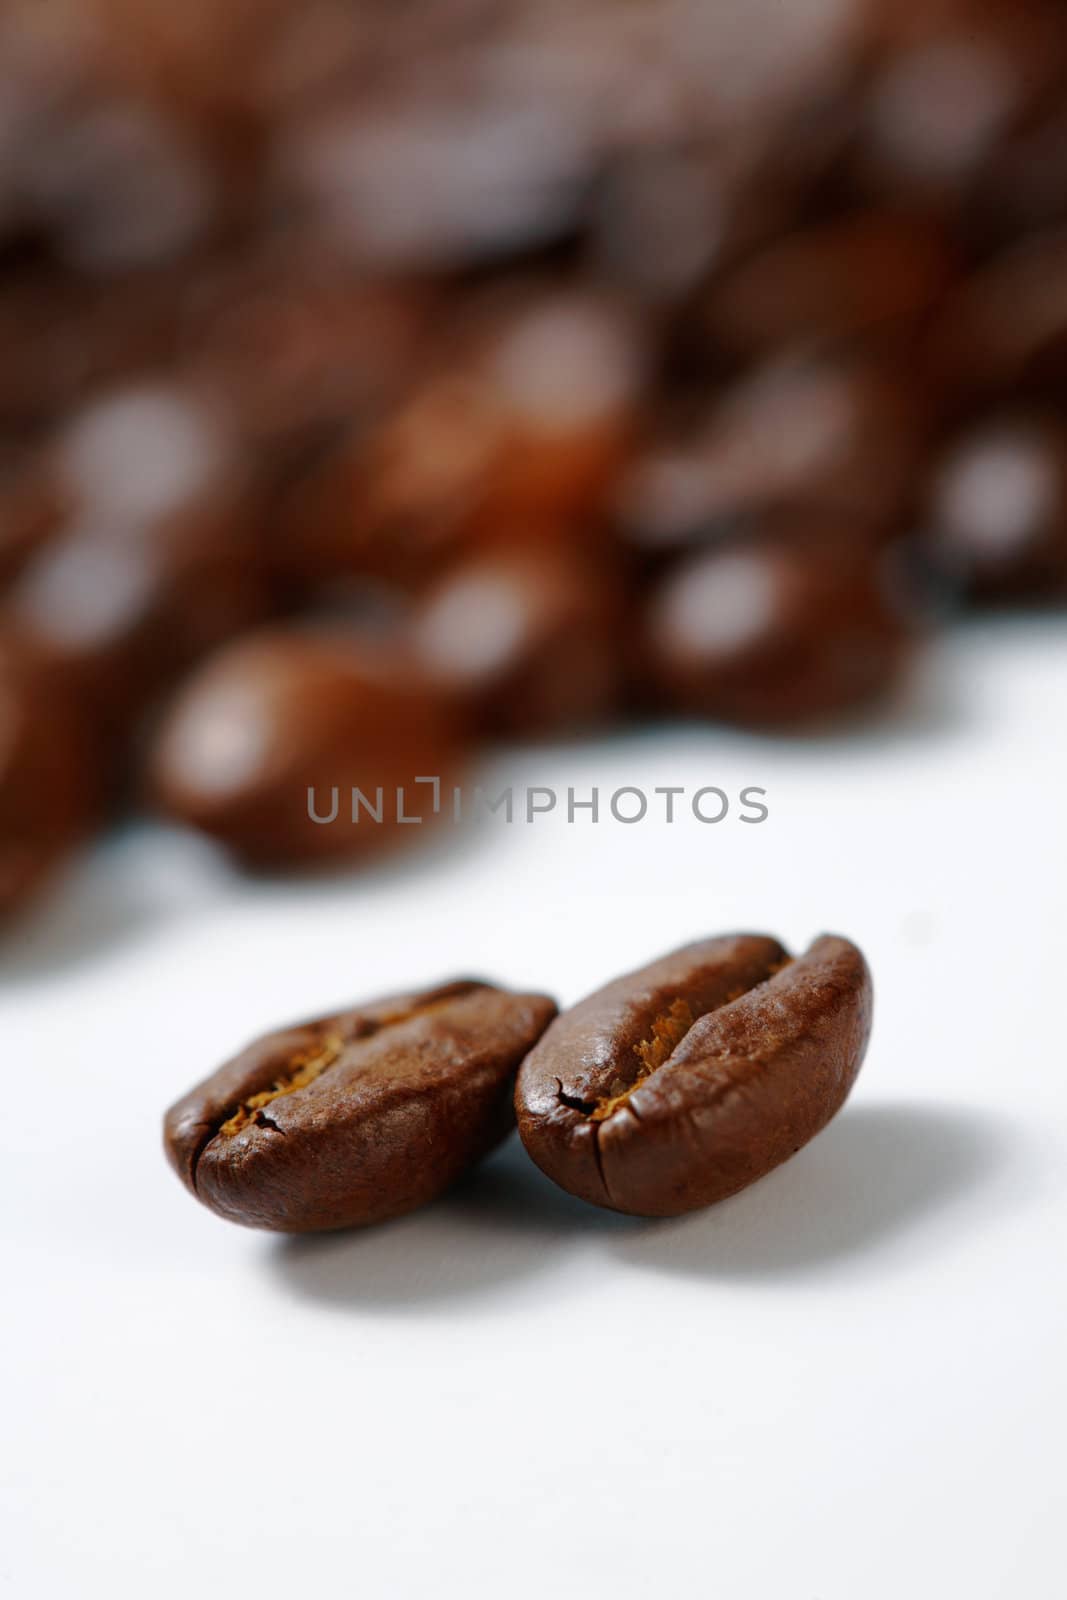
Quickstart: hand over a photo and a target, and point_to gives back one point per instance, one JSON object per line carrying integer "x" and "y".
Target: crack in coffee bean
{"x": 304, "y": 1068}
{"x": 308, "y": 1065}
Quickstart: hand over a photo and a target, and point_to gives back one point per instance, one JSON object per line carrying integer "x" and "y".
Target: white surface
{"x": 847, "y": 1382}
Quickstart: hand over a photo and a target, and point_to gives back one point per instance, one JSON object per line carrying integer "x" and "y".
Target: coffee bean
{"x": 1005, "y": 331}
{"x": 867, "y": 274}
{"x": 391, "y": 502}
{"x": 686, "y": 1081}
{"x": 288, "y": 710}
{"x": 49, "y": 783}
{"x": 524, "y": 416}
{"x": 998, "y": 512}
{"x": 358, "y": 1117}
{"x": 295, "y": 346}
{"x": 155, "y": 560}
{"x": 563, "y": 373}
{"x": 31, "y": 506}
{"x": 841, "y": 436}
{"x": 799, "y": 627}
{"x": 528, "y": 641}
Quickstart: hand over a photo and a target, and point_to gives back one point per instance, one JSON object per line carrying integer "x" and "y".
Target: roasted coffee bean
{"x": 292, "y": 719}
{"x": 840, "y": 436}
{"x": 949, "y": 95}
{"x": 866, "y": 274}
{"x": 49, "y": 785}
{"x": 780, "y": 631}
{"x": 525, "y": 417}
{"x": 1005, "y": 331}
{"x": 390, "y": 174}
{"x": 527, "y": 641}
{"x": 357, "y": 1117}
{"x": 116, "y": 186}
{"x": 686, "y": 1081}
{"x": 998, "y": 512}
{"x": 295, "y": 346}
{"x": 392, "y": 502}
{"x": 65, "y": 337}
{"x": 155, "y": 560}
{"x": 562, "y": 372}
{"x": 31, "y": 507}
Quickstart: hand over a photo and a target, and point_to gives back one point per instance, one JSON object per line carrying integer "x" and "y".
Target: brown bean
{"x": 528, "y": 641}
{"x": 286, "y": 711}
{"x": 686, "y": 1081}
{"x": 841, "y": 436}
{"x": 31, "y": 507}
{"x": 357, "y": 1117}
{"x": 800, "y": 626}
{"x": 525, "y": 417}
{"x": 863, "y": 274}
{"x": 155, "y": 559}
{"x": 1005, "y": 332}
{"x": 49, "y": 783}
{"x": 998, "y": 511}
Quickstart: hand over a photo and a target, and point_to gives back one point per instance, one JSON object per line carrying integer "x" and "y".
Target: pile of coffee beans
{"x": 381, "y": 381}
{"x": 669, "y": 1089}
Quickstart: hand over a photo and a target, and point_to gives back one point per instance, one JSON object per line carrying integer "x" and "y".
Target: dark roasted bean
{"x": 287, "y": 711}
{"x": 686, "y": 1081}
{"x": 528, "y": 641}
{"x": 154, "y": 560}
{"x": 779, "y": 631}
{"x": 841, "y": 437}
{"x": 998, "y": 511}
{"x": 49, "y": 785}
{"x": 358, "y": 1117}
{"x": 858, "y": 276}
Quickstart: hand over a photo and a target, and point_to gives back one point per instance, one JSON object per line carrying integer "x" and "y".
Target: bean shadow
{"x": 504, "y": 1223}
{"x": 878, "y": 1177}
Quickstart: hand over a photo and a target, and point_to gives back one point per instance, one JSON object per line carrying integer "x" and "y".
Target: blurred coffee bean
{"x": 139, "y": 455}
{"x": 49, "y": 787}
{"x": 954, "y": 88}
{"x": 866, "y": 274}
{"x": 444, "y": 322}
{"x": 935, "y": 112}
{"x": 200, "y": 64}
{"x": 31, "y": 507}
{"x": 676, "y": 196}
{"x": 525, "y": 419}
{"x": 841, "y": 436}
{"x": 789, "y": 627}
{"x": 529, "y": 642}
{"x": 998, "y": 509}
{"x": 443, "y": 176}
{"x": 288, "y": 711}
{"x": 155, "y": 561}
{"x": 1005, "y": 331}
{"x": 293, "y": 344}
{"x": 564, "y": 375}
{"x": 1021, "y": 184}
{"x": 65, "y": 337}
{"x": 910, "y": 24}
{"x": 391, "y": 501}
{"x": 116, "y": 186}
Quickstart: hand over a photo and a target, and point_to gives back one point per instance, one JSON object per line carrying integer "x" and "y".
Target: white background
{"x": 847, "y": 1382}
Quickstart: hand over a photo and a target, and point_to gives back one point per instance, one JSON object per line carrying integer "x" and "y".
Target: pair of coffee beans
{"x": 668, "y": 1089}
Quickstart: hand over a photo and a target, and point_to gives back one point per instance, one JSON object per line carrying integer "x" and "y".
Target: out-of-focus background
{"x": 381, "y": 382}
{"x": 572, "y": 395}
